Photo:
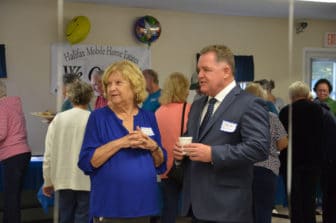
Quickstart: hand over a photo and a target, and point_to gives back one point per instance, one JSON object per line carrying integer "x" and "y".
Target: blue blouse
{"x": 125, "y": 186}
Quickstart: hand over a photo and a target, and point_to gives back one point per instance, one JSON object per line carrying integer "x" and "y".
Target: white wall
{"x": 29, "y": 27}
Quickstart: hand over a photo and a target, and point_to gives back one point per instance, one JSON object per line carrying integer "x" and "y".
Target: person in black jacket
{"x": 307, "y": 135}
{"x": 328, "y": 180}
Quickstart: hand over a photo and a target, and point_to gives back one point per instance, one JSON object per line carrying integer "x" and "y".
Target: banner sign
{"x": 80, "y": 59}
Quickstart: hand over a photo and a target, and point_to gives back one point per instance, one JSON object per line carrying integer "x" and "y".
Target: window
{"x": 320, "y": 63}
{"x": 324, "y": 68}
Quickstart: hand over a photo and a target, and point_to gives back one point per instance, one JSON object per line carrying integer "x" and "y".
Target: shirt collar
{"x": 225, "y": 91}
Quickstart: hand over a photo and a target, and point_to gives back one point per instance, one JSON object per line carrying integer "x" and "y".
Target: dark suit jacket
{"x": 307, "y": 132}
{"x": 329, "y": 133}
{"x": 239, "y": 135}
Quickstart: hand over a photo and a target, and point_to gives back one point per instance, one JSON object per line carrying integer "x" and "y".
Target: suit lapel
{"x": 218, "y": 115}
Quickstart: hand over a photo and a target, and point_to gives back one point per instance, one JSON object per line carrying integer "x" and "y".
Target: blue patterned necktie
{"x": 211, "y": 105}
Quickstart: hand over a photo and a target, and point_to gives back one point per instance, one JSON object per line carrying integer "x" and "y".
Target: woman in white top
{"x": 62, "y": 145}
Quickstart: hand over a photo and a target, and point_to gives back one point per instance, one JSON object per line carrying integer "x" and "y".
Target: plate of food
{"x": 45, "y": 114}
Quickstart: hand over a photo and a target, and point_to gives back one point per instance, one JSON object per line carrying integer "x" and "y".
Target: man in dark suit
{"x": 227, "y": 139}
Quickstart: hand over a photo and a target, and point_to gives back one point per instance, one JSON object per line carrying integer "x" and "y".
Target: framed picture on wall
{"x": 3, "y": 71}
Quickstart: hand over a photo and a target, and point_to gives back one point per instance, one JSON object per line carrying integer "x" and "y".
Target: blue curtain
{"x": 244, "y": 71}
{"x": 3, "y": 72}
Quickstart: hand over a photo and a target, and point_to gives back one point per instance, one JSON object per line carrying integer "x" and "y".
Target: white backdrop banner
{"x": 80, "y": 59}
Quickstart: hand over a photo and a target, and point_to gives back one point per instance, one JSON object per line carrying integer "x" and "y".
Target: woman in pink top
{"x": 169, "y": 118}
{"x": 14, "y": 153}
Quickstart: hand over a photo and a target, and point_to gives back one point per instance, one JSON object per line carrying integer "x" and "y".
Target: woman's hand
{"x": 48, "y": 190}
{"x": 138, "y": 139}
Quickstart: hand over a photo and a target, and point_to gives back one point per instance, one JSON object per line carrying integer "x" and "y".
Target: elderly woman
{"x": 169, "y": 118}
{"x": 62, "y": 145}
{"x": 95, "y": 77}
{"x": 323, "y": 88}
{"x": 14, "y": 154}
{"x": 122, "y": 151}
{"x": 265, "y": 172}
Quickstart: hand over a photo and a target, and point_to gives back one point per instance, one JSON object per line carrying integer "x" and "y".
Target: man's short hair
{"x": 223, "y": 53}
{"x": 152, "y": 73}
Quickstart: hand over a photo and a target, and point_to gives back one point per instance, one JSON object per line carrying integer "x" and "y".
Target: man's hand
{"x": 178, "y": 152}
{"x": 198, "y": 152}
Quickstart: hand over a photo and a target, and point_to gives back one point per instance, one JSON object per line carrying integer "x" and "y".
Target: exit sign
{"x": 330, "y": 39}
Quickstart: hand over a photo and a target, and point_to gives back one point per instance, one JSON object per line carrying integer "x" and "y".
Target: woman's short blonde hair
{"x": 79, "y": 93}
{"x": 131, "y": 72}
{"x": 175, "y": 89}
{"x": 257, "y": 90}
{"x": 3, "y": 89}
{"x": 297, "y": 90}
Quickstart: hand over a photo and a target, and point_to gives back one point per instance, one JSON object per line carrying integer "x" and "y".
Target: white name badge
{"x": 147, "y": 131}
{"x": 228, "y": 126}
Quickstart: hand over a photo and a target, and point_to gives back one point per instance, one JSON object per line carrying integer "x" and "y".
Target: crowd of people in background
{"x": 117, "y": 138}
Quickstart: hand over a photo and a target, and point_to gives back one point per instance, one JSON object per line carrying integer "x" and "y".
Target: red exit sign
{"x": 330, "y": 39}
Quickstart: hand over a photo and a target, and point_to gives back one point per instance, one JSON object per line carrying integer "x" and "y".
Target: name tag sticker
{"x": 147, "y": 131}
{"x": 228, "y": 126}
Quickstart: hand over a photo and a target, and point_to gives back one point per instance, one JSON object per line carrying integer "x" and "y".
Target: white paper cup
{"x": 183, "y": 140}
